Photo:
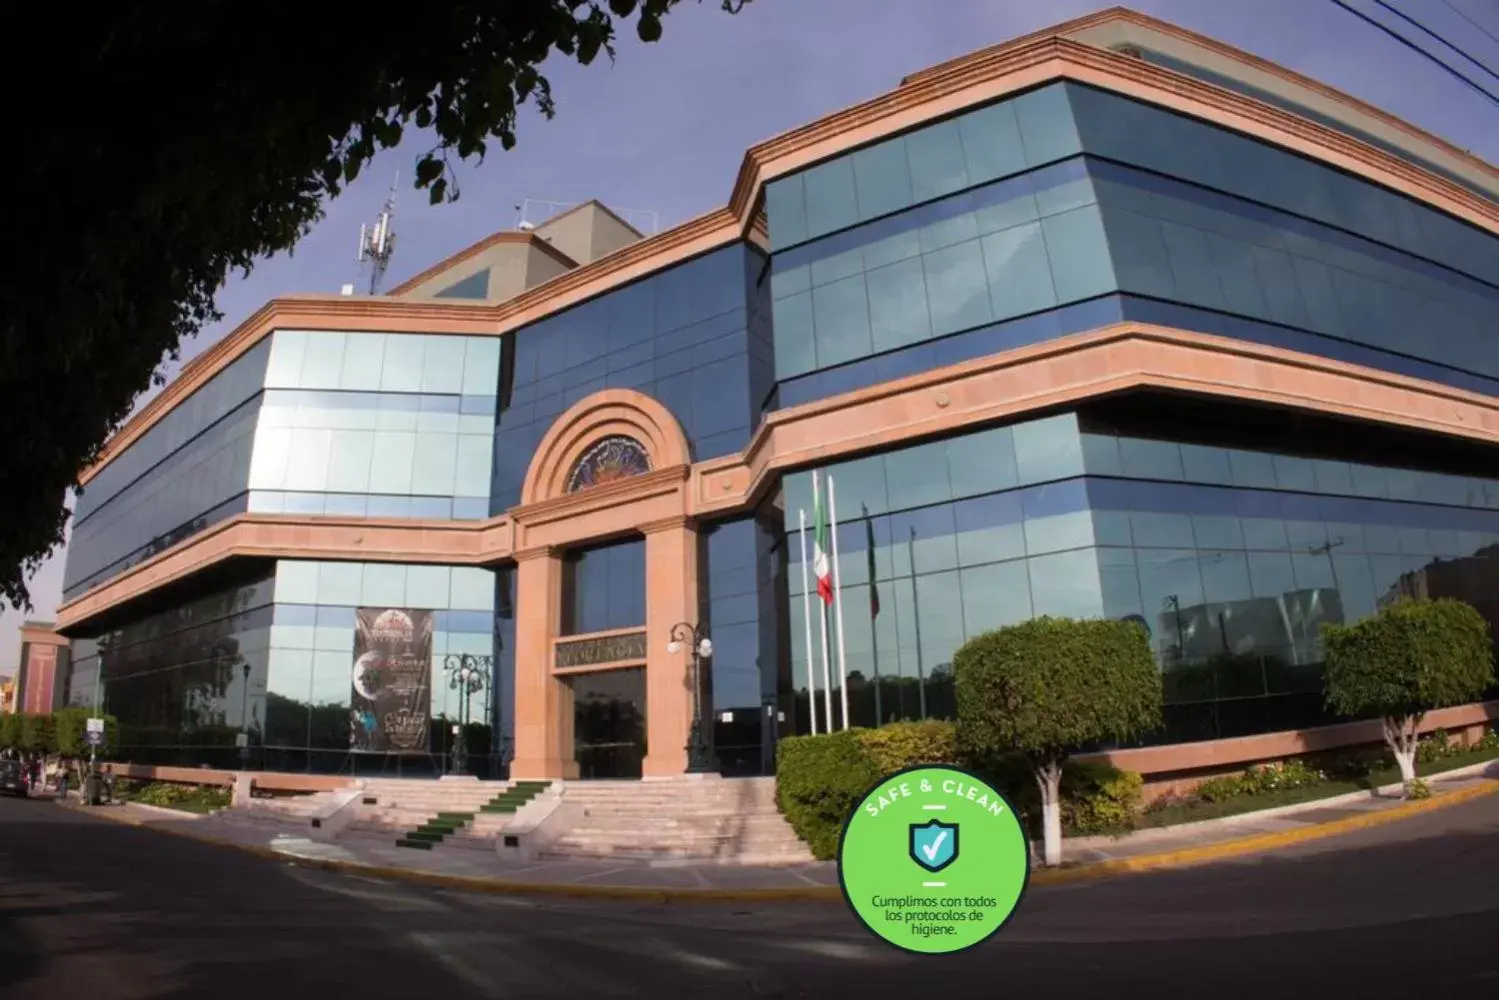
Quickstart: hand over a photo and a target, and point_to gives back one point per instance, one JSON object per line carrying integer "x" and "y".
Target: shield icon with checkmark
{"x": 934, "y": 845}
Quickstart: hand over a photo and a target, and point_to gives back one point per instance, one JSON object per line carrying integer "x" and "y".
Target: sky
{"x": 663, "y": 129}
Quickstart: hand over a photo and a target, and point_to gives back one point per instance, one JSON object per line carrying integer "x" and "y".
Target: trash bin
{"x": 92, "y": 790}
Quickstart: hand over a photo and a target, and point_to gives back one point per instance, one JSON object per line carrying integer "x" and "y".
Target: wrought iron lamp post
{"x": 467, "y": 673}
{"x": 699, "y": 752}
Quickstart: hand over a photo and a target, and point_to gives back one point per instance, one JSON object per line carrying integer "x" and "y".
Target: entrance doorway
{"x": 609, "y": 722}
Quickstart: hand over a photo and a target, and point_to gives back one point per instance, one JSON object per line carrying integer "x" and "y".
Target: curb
{"x": 1090, "y": 872}
{"x": 1261, "y": 842}
{"x": 1144, "y": 835}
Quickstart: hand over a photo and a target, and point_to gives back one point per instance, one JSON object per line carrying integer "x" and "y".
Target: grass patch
{"x": 1339, "y": 781}
{"x": 200, "y": 799}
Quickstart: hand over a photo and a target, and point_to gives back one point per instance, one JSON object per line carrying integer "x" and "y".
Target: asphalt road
{"x": 97, "y": 911}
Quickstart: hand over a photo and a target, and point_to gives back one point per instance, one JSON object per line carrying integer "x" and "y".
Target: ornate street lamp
{"x": 467, "y": 673}
{"x": 699, "y": 753}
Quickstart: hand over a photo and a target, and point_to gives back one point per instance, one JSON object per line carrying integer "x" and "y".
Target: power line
{"x": 1417, "y": 49}
{"x": 1424, "y": 29}
{"x": 1481, "y": 29}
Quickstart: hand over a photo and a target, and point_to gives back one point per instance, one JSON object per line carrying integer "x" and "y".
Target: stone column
{"x": 543, "y": 703}
{"x": 671, "y": 596}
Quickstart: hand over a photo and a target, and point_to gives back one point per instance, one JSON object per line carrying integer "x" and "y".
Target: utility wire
{"x": 1425, "y": 30}
{"x": 1481, "y": 29}
{"x": 1493, "y": 98}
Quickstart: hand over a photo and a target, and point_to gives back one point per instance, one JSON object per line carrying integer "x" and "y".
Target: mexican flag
{"x": 821, "y": 565}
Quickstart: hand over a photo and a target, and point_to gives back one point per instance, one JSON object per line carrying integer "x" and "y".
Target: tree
{"x": 200, "y": 138}
{"x": 1050, "y": 687}
{"x": 1405, "y": 660}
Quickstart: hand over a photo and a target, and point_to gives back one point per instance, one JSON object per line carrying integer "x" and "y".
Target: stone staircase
{"x": 688, "y": 820}
{"x": 465, "y": 814}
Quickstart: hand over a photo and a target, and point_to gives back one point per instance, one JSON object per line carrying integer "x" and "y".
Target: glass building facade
{"x": 189, "y": 471}
{"x": 377, "y": 425}
{"x": 1232, "y": 534}
{"x": 1232, "y": 554}
{"x": 936, "y": 250}
{"x": 693, "y": 337}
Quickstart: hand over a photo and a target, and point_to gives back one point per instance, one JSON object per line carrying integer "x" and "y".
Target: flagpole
{"x": 807, "y": 620}
{"x": 916, "y": 614}
{"x": 838, "y": 601}
{"x": 822, "y": 620}
{"x": 874, "y": 614}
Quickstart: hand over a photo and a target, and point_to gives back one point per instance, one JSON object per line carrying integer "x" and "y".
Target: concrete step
{"x": 648, "y": 804}
{"x": 769, "y": 859}
{"x": 636, "y": 817}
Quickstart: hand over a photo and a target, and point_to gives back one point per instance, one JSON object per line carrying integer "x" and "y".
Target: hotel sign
{"x": 604, "y": 649}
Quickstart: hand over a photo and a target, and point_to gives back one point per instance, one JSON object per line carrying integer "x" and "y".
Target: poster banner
{"x": 392, "y": 681}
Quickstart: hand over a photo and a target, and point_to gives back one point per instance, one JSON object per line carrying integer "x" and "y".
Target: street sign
{"x": 94, "y": 738}
{"x": 95, "y": 726}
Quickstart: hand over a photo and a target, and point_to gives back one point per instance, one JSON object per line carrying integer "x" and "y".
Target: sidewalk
{"x": 1085, "y": 858}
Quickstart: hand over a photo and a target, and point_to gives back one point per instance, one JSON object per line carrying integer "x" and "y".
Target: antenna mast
{"x": 377, "y": 241}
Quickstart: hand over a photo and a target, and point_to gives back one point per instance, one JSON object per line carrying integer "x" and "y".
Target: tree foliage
{"x": 1407, "y": 659}
{"x": 177, "y": 143}
{"x": 1051, "y": 686}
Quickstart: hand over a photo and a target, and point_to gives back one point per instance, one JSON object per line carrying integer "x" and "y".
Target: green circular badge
{"x": 934, "y": 860}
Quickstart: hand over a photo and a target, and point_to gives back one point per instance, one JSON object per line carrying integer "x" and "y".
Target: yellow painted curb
{"x": 831, "y": 894}
{"x": 1261, "y": 842}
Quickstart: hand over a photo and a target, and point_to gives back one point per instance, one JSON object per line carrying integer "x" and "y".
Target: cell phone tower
{"x": 377, "y": 241}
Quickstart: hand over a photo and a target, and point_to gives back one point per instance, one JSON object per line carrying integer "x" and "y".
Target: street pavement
{"x": 98, "y": 910}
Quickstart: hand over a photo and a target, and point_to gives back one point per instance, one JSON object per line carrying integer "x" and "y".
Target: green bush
{"x": 72, "y": 732}
{"x": 1408, "y": 658}
{"x": 38, "y": 734}
{"x": 1049, "y": 688}
{"x": 10, "y": 731}
{"x": 820, "y": 779}
{"x": 1098, "y": 798}
{"x": 174, "y": 795}
{"x": 62, "y": 732}
{"x": 1052, "y": 686}
{"x": 1261, "y": 779}
{"x": 908, "y": 744}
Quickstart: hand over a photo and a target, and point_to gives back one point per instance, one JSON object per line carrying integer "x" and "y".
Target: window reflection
{"x": 311, "y": 648}
{"x": 604, "y": 588}
{"x": 689, "y": 337}
{"x": 184, "y": 682}
{"x": 1233, "y": 582}
{"x": 609, "y": 711}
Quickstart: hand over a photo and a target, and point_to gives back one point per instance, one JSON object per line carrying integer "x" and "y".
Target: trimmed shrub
{"x": 819, "y": 781}
{"x": 1261, "y": 780}
{"x": 1098, "y": 798}
{"x": 906, "y": 744}
{"x": 1407, "y": 659}
{"x": 1050, "y": 687}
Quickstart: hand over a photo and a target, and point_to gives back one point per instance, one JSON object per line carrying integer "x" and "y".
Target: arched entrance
{"x": 613, "y": 466}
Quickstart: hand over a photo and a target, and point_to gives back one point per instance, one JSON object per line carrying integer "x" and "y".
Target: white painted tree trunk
{"x": 1407, "y": 761}
{"x": 1049, "y": 778}
{"x": 1402, "y": 734}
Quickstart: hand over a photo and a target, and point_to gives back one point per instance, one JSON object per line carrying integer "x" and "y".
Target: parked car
{"x": 12, "y": 777}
